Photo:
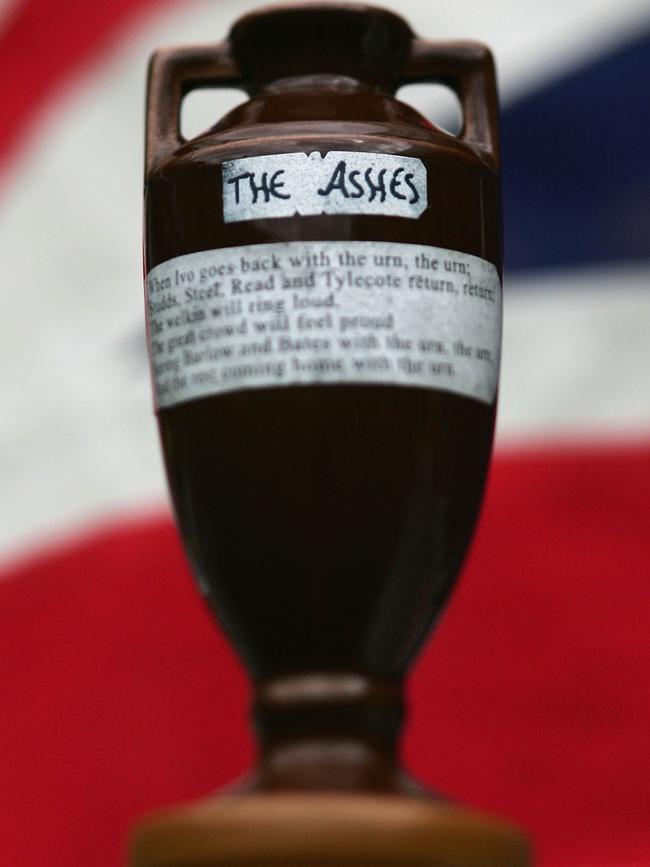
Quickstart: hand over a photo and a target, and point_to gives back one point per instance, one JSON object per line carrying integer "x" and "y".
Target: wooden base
{"x": 323, "y": 830}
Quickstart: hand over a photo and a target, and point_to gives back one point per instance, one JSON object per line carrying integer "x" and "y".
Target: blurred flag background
{"x": 117, "y": 694}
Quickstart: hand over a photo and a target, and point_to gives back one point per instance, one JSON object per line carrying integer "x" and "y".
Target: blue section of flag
{"x": 576, "y": 165}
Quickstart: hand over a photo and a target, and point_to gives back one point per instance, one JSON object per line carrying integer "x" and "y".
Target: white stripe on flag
{"x": 576, "y": 355}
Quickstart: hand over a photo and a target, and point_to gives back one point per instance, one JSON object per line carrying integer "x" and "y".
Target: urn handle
{"x": 468, "y": 69}
{"x": 173, "y": 73}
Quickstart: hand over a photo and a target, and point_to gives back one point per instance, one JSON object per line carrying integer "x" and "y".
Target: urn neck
{"x": 321, "y": 39}
{"x": 328, "y": 730}
{"x": 327, "y": 82}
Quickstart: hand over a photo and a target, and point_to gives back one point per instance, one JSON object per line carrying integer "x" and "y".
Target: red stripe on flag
{"x": 118, "y": 694}
{"x": 44, "y": 43}
{"x": 532, "y": 699}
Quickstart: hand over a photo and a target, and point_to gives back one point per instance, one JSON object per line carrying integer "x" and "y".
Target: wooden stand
{"x": 319, "y": 830}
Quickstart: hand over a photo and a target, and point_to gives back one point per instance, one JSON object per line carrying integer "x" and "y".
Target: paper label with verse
{"x": 269, "y": 315}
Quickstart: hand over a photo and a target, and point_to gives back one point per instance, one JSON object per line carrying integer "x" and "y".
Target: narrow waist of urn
{"x": 328, "y": 730}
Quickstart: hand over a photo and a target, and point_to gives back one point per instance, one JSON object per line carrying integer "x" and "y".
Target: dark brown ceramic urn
{"x": 323, "y": 298}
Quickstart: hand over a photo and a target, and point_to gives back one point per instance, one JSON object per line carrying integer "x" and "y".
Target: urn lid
{"x": 355, "y": 40}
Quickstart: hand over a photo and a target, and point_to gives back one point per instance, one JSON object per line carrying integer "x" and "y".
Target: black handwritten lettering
{"x": 236, "y": 181}
{"x": 350, "y": 182}
{"x": 376, "y": 188}
{"x": 275, "y": 184}
{"x": 355, "y": 183}
{"x": 337, "y": 181}
{"x": 395, "y": 183}
{"x": 408, "y": 180}
{"x": 265, "y": 187}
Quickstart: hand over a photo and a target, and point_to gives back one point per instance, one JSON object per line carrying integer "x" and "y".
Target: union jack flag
{"x": 117, "y": 692}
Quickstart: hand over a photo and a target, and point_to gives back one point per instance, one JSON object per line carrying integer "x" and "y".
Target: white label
{"x": 324, "y": 312}
{"x": 341, "y": 182}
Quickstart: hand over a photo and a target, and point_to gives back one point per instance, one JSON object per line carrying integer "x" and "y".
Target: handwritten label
{"x": 340, "y": 182}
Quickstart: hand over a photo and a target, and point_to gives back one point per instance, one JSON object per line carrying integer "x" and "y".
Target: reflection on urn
{"x": 323, "y": 299}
